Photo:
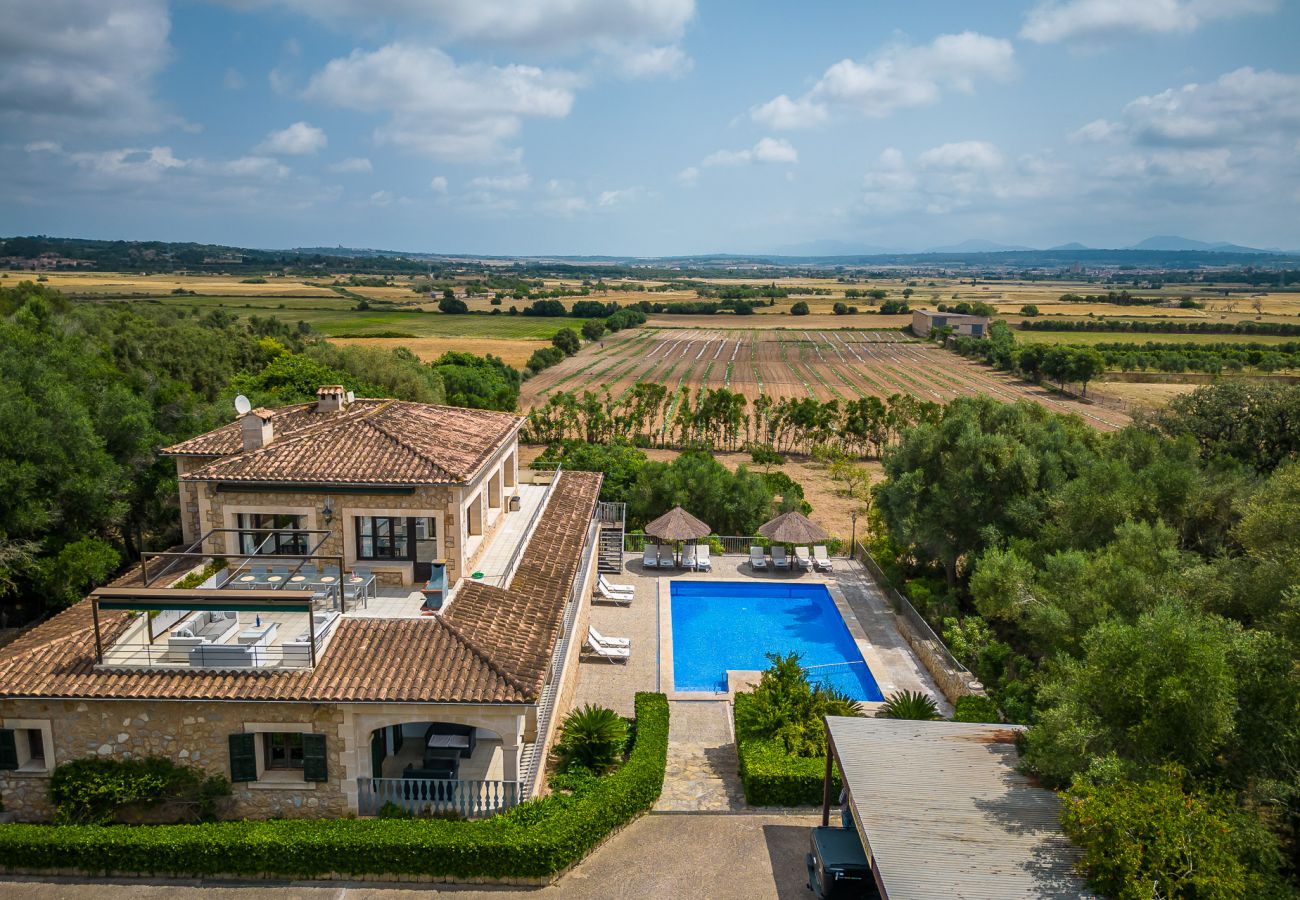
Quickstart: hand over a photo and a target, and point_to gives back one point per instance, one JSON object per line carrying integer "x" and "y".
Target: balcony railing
{"x": 437, "y": 796}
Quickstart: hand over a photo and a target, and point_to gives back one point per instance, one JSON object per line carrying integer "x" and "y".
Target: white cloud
{"x": 519, "y": 182}
{"x": 438, "y": 184}
{"x": 559, "y": 199}
{"x": 459, "y": 112}
{"x": 1054, "y": 21}
{"x": 1097, "y": 131}
{"x": 785, "y": 114}
{"x": 900, "y": 76}
{"x": 647, "y": 62}
{"x": 1242, "y": 106}
{"x": 967, "y": 155}
{"x": 548, "y": 25}
{"x": 353, "y": 165}
{"x": 299, "y": 139}
{"x": 957, "y": 176}
{"x": 257, "y": 167}
{"x": 618, "y": 197}
{"x": 689, "y": 176}
{"x": 232, "y": 80}
{"x": 767, "y": 150}
{"x": 133, "y": 165}
{"x": 83, "y": 63}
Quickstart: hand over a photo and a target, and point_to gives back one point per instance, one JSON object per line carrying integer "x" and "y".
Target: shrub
{"x": 772, "y": 777}
{"x": 567, "y": 340}
{"x": 976, "y": 709}
{"x": 1154, "y": 838}
{"x": 534, "y": 840}
{"x": 94, "y": 790}
{"x": 1029, "y": 310}
{"x": 593, "y": 329}
{"x": 453, "y": 306}
{"x": 799, "y": 309}
{"x": 909, "y": 705}
{"x": 788, "y": 710}
{"x": 593, "y": 739}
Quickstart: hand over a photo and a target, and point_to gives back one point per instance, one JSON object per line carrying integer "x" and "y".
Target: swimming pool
{"x": 721, "y": 625}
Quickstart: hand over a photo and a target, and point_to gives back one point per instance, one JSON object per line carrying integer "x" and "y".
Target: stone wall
{"x": 433, "y": 500}
{"x": 189, "y": 733}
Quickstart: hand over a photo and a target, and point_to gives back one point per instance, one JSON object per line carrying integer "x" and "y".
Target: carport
{"x": 942, "y": 811}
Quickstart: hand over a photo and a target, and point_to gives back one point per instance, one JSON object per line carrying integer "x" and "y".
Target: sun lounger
{"x": 596, "y": 637}
{"x": 650, "y": 558}
{"x": 609, "y": 653}
{"x": 821, "y": 560}
{"x": 702, "y": 561}
{"x": 614, "y": 588}
{"x": 688, "y": 557}
{"x": 779, "y": 559}
{"x": 613, "y": 596}
{"x": 757, "y": 560}
{"x": 803, "y": 558}
{"x": 666, "y": 560}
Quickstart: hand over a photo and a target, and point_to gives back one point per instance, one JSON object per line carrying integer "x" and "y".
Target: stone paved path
{"x": 701, "y": 775}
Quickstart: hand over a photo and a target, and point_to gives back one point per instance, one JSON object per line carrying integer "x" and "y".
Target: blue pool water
{"x": 721, "y": 625}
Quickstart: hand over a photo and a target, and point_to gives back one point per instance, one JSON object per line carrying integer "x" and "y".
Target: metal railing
{"x": 903, "y": 608}
{"x": 271, "y": 645}
{"x": 504, "y": 578}
{"x": 533, "y": 756}
{"x": 433, "y": 796}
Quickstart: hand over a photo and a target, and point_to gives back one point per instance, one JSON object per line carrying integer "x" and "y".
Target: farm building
{"x": 958, "y": 819}
{"x": 924, "y": 321}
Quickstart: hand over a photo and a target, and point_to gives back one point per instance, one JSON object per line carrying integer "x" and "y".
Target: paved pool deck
{"x": 702, "y": 776}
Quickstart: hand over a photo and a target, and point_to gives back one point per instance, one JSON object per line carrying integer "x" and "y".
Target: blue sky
{"x": 650, "y": 127}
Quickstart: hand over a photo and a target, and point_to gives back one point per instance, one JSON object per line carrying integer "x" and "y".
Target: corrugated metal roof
{"x": 946, "y": 815}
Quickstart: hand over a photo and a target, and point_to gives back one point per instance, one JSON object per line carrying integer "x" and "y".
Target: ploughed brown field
{"x": 793, "y": 363}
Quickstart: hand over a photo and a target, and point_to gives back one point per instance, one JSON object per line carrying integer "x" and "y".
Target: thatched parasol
{"x": 677, "y": 525}
{"x": 792, "y": 528}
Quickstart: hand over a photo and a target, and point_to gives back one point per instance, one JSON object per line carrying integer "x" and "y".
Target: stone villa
{"x": 287, "y": 643}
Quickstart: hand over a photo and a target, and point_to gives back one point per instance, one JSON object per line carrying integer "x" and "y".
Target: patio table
{"x": 273, "y": 579}
{"x": 298, "y": 579}
{"x": 457, "y": 741}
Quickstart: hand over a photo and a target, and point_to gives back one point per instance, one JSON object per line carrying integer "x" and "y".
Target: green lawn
{"x": 335, "y": 317}
{"x": 1142, "y": 337}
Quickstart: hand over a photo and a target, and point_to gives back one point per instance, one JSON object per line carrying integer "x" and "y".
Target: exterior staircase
{"x": 613, "y": 521}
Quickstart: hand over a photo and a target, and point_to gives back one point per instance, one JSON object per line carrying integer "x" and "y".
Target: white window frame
{"x": 25, "y": 764}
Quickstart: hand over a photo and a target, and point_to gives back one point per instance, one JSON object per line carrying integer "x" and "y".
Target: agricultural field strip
{"x": 613, "y": 363}
{"x": 675, "y": 396}
{"x": 794, "y": 370}
{"x": 875, "y": 386}
{"x": 985, "y": 383}
{"x": 753, "y": 360}
{"x": 816, "y": 370}
{"x": 840, "y": 373}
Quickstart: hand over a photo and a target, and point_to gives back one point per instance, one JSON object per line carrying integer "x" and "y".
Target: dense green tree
{"x": 978, "y": 475}
{"x": 567, "y": 339}
{"x": 799, "y": 308}
{"x": 593, "y": 329}
{"x": 452, "y": 305}
{"x": 730, "y": 502}
{"x": 478, "y": 382}
{"x": 1256, "y": 425}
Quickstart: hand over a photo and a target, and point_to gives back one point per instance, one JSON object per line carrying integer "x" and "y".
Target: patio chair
{"x": 779, "y": 559}
{"x": 702, "y": 561}
{"x": 666, "y": 560}
{"x": 650, "y": 558}
{"x": 624, "y": 597}
{"x": 610, "y": 653}
{"x": 821, "y": 560}
{"x": 757, "y": 559}
{"x": 259, "y": 571}
{"x": 688, "y": 557}
{"x": 614, "y": 588}
{"x": 803, "y": 558}
{"x": 597, "y": 638}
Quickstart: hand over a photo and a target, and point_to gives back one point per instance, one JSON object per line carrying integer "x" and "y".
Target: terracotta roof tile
{"x": 368, "y": 442}
{"x": 492, "y": 646}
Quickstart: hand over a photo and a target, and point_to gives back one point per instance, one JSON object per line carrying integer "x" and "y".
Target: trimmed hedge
{"x": 535, "y": 840}
{"x": 772, "y": 777}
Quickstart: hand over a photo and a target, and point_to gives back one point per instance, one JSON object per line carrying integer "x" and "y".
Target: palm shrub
{"x": 789, "y": 709}
{"x": 594, "y": 738}
{"x": 909, "y": 705}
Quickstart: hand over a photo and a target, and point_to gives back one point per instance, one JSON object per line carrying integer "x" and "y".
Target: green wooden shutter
{"x": 8, "y": 749}
{"x": 314, "y": 765}
{"x": 243, "y": 757}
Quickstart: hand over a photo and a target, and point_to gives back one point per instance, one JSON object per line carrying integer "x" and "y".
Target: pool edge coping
{"x": 668, "y": 683}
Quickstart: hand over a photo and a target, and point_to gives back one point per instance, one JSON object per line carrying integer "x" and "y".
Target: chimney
{"x": 330, "y": 398}
{"x": 257, "y": 429}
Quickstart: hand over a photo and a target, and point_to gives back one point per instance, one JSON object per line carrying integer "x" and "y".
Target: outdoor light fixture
{"x": 328, "y": 511}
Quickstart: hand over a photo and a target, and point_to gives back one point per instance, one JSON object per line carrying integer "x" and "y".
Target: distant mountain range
{"x": 1161, "y": 242}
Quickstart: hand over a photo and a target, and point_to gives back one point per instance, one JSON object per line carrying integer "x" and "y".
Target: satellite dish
{"x": 351, "y": 396}
{"x": 242, "y": 406}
